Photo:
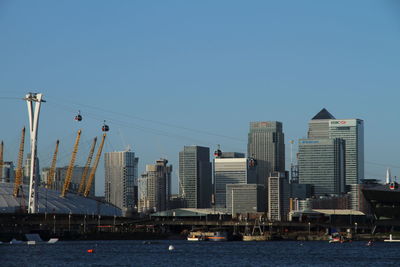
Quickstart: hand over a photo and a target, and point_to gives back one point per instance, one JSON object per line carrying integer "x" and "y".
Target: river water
{"x": 156, "y": 253}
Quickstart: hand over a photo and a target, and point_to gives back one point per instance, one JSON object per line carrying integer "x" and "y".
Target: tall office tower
{"x": 324, "y": 125}
{"x": 245, "y": 198}
{"x": 321, "y": 164}
{"x": 195, "y": 181}
{"x": 278, "y": 196}
{"x": 155, "y": 187}
{"x": 266, "y": 144}
{"x": 318, "y": 126}
{"x": 121, "y": 170}
{"x": 352, "y": 131}
{"x": 27, "y": 168}
{"x": 60, "y": 175}
{"x": 8, "y": 175}
{"x": 231, "y": 168}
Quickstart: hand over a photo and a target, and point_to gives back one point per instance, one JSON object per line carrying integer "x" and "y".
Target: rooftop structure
{"x": 50, "y": 201}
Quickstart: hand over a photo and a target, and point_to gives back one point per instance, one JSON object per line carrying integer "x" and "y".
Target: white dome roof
{"x": 50, "y": 201}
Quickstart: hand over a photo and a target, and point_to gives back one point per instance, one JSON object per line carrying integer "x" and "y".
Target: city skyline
{"x": 228, "y": 64}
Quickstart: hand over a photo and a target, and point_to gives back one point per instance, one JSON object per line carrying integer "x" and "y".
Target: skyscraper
{"x": 324, "y": 126}
{"x": 278, "y": 196}
{"x": 319, "y": 125}
{"x": 231, "y": 168}
{"x": 195, "y": 181}
{"x": 121, "y": 169}
{"x": 352, "y": 131}
{"x": 267, "y": 145}
{"x": 321, "y": 164}
{"x": 155, "y": 186}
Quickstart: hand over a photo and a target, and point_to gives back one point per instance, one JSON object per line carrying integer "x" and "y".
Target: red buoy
{"x": 90, "y": 250}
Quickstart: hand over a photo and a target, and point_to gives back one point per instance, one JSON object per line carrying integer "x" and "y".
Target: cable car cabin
{"x": 393, "y": 185}
{"x": 252, "y": 162}
{"x": 217, "y": 153}
{"x": 78, "y": 117}
{"x": 105, "y": 128}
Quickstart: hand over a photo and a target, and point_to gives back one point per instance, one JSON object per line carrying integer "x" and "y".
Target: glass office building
{"x": 322, "y": 165}
{"x": 195, "y": 176}
{"x": 352, "y": 131}
{"x": 231, "y": 171}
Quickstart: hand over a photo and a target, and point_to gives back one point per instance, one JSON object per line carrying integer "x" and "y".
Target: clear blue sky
{"x": 165, "y": 74}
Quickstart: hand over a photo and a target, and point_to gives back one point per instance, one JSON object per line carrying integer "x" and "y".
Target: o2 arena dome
{"x": 50, "y": 201}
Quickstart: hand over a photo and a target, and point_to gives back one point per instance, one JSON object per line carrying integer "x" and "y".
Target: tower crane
{"x": 93, "y": 171}
{"x": 1, "y": 160}
{"x": 87, "y": 166}
{"x": 70, "y": 169}
{"x": 52, "y": 170}
{"x": 18, "y": 170}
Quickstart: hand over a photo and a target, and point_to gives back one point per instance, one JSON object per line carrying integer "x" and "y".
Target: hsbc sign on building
{"x": 352, "y": 131}
{"x": 342, "y": 123}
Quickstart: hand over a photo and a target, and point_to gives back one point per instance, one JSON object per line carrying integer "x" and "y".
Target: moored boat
{"x": 255, "y": 238}
{"x": 196, "y": 236}
{"x": 218, "y": 236}
{"x": 208, "y": 235}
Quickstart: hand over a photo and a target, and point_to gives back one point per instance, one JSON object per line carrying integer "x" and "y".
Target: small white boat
{"x": 391, "y": 239}
{"x": 31, "y": 242}
{"x": 52, "y": 240}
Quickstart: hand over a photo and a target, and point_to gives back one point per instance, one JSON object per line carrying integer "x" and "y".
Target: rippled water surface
{"x": 139, "y": 253}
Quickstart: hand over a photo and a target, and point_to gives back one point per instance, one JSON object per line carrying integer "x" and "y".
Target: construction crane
{"x": 87, "y": 166}
{"x": 96, "y": 162}
{"x": 70, "y": 169}
{"x": 1, "y": 160}
{"x": 18, "y": 170}
{"x": 52, "y": 170}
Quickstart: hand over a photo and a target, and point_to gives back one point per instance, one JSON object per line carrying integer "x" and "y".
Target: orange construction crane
{"x": 87, "y": 166}
{"x": 52, "y": 170}
{"x": 70, "y": 169}
{"x": 18, "y": 170}
{"x": 96, "y": 162}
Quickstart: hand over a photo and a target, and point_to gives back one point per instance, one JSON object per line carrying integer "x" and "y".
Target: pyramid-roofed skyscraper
{"x": 319, "y": 125}
{"x": 323, "y": 115}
